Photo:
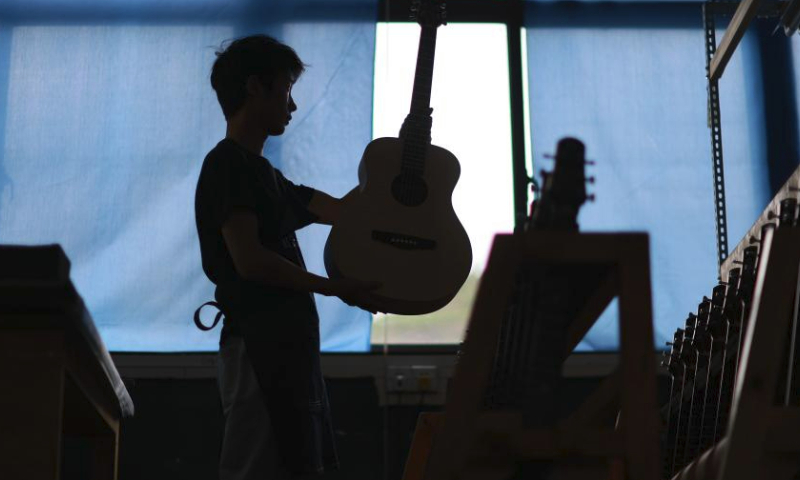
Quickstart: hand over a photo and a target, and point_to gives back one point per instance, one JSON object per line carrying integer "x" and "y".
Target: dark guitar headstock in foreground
{"x": 542, "y": 304}
{"x": 563, "y": 190}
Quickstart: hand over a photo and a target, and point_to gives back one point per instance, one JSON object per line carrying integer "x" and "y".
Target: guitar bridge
{"x": 406, "y": 242}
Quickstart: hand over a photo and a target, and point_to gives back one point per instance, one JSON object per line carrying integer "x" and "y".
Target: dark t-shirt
{"x": 280, "y": 326}
{"x": 233, "y": 178}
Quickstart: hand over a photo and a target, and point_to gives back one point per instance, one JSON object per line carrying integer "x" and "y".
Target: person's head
{"x": 255, "y": 74}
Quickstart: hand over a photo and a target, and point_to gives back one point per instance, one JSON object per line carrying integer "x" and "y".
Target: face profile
{"x": 270, "y": 103}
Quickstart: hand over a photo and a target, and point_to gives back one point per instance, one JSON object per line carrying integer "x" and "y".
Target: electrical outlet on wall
{"x": 411, "y": 378}
{"x": 399, "y": 379}
{"x": 424, "y": 378}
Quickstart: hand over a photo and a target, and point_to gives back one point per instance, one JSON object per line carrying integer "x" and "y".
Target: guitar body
{"x": 421, "y": 254}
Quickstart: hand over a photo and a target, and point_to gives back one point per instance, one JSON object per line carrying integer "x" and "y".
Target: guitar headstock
{"x": 672, "y": 359}
{"x": 563, "y": 190}
{"x": 429, "y": 13}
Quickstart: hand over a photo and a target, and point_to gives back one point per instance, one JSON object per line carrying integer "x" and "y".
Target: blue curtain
{"x": 629, "y": 80}
{"x": 106, "y": 113}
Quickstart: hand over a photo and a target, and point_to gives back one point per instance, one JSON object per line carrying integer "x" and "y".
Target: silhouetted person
{"x": 277, "y": 419}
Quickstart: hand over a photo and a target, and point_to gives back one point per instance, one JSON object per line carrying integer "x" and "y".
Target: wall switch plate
{"x": 411, "y": 378}
{"x": 424, "y": 378}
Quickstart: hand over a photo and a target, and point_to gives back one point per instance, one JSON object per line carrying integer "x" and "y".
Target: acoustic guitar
{"x": 398, "y": 225}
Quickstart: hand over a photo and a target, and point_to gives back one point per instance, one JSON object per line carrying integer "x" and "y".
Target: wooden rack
{"x": 467, "y": 442}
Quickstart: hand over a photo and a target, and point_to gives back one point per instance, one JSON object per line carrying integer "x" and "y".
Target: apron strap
{"x": 217, "y": 318}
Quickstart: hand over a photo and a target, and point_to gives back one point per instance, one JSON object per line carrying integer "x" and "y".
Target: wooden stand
{"x": 59, "y": 386}
{"x": 466, "y": 441}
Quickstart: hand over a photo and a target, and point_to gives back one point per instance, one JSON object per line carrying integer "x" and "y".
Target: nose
{"x": 292, "y": 105}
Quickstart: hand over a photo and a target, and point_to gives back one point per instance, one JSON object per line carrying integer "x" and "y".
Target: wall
{"x": 177, "y": 428}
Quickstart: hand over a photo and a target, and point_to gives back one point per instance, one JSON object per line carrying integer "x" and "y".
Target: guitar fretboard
{"x": 423, "y": 77}
{"x": 416, "y": 130}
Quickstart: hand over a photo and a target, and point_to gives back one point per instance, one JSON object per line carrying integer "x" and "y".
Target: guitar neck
{"x": 423, "y": 76}
{"x": 416, "y": 130}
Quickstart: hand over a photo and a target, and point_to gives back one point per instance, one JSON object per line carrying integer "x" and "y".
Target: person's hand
{"x": 356, "y": 293}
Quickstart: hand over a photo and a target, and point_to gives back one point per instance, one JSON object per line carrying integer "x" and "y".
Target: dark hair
{"x": 259, "y": 55}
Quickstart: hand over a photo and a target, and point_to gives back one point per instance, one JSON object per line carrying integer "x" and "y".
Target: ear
{"x": 254, "y": 85}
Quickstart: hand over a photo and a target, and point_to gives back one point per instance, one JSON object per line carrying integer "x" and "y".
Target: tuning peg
{"x": 590, "y": 180}
{"x": 590, "y": 197}
{"x": 771, "y": 215}
{"x": 753, "y": 239}
{"x": 589, "y": 162}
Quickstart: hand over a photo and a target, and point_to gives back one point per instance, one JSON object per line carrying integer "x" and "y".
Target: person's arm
{"x": 255, "y": 263}
{"x": 325, "y": 207}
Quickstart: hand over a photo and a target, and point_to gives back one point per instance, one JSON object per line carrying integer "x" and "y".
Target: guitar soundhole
{"x": 409, "y": 189}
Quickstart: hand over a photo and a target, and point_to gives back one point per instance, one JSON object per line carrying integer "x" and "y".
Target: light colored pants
{"x": 248, "y": 451}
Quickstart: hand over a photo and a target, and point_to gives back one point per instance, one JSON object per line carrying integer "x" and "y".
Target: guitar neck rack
{"x": 735, "y": 391}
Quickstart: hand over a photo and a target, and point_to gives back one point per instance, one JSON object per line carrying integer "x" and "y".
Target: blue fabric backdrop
{"x": 107, "y": 112}
{"x": 629, "y": 80}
